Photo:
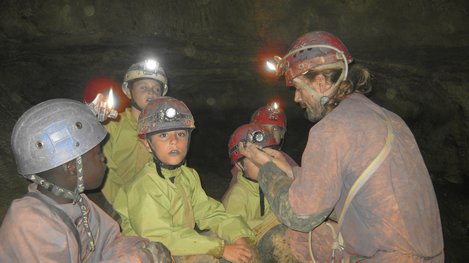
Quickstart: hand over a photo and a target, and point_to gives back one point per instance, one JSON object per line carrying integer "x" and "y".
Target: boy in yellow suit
{"x": 166, "y": 200}
{"x": 125, "y": 152}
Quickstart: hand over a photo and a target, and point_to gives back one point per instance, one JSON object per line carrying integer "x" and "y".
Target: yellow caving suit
{"x": 125, "y": 153}
{"x": 159, "y": 209}
{"x": 243, "y": 199}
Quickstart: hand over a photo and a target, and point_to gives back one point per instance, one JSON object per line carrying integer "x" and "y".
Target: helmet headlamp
{"x": 257, "y": 136}
{"x": 170, "y": 113}
{"x": 151, "y": 65}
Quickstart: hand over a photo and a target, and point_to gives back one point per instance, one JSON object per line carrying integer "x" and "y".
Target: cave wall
{"x": 213, "y": 51}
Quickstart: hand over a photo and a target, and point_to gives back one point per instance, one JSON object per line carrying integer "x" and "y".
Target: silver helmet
{"x": 52, "y": 133}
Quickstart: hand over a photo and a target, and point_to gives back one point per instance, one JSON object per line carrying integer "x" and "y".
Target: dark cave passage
{"x": 416, "y": 51}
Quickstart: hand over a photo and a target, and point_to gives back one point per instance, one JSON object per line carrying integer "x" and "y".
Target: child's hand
{"x": 100, "y": 109}
{"x": 238, "y": 252}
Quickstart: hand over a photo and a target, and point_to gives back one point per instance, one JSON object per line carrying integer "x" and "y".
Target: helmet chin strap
{"x": 343, "y": 75}
{"x": 160, "y": 164}
{"x": 75, "y": 196}
{"x": 135, "y": 105}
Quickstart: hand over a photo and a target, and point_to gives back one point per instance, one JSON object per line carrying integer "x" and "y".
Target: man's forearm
{"x": 276, "y": 184}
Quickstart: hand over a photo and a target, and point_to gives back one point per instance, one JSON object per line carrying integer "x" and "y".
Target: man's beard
{"x": 315, "y": 112}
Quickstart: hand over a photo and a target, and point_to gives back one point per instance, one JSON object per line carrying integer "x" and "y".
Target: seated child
{"x": 245, "y": 197}
{"x": 272, "y": 117}
{"x": 56, "y": 145}
{"x": 166, "y": 200}
{"x": 125, "y": 152}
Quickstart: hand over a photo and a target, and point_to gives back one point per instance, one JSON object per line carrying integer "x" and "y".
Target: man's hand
{"x": 280, "y": 161}
{"x": 254, "y": 153}
{"x": 238, "y": 252}
{"x": 262, "y": 156}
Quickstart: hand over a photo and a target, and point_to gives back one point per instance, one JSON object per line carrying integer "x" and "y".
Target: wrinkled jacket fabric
{"x": 393, "y": 218}
{"x": 125, "y": 152}
{"x": 244, "y": 200}
{"x": 235, "y": 170}
{"x": 32, "y": 232}
{"x": 161, "y": 210}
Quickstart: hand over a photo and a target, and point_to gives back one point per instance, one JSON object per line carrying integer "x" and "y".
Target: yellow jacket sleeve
{"x": 125, "y": 153}
{"x": 149, "y": 208}
{"x": 210, "y": 214}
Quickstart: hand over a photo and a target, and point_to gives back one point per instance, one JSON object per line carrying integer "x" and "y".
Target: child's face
{"x": 276, "y": 131}
{"x": 145, "y": 90}
{"x": 93, "y": 168}
{"x": 249, "y": 168}
{"x": 171, "y": 147}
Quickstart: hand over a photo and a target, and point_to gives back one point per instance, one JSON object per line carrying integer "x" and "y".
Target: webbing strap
{"x": 362, "y": 179}
{"x": 367, "y": 173}
{"x": 67, "y": 220}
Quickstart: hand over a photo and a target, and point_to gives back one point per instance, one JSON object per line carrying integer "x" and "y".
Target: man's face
{"x": 145, "y": 90}
{"x": 307, "y": 97}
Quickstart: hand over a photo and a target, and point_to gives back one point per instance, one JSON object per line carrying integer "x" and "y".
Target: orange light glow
{"x": 101, "y": 85}
{"x": 265, "y": 56}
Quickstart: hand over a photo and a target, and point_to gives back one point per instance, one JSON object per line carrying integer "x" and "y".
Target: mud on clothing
{"x": 32, "y": 232}
{"x": 393, "y": 218}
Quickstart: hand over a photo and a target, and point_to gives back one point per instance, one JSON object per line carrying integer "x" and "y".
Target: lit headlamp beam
{"x": 270, "y": 66}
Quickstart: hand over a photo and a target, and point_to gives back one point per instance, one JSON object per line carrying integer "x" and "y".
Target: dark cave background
{"x": 213, "y": 50}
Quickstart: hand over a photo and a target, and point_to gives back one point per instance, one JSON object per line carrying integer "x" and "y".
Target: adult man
{"x": 361, "y": 163}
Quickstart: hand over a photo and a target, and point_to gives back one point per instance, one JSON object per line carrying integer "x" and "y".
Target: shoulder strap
{"x": 362, "y": 179}
{"x": 67, "y": 220}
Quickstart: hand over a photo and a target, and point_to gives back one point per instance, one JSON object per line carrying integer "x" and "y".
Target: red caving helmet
{"x": 270, "y": 114}
{"x": 253, "y": 133}
{"x": 310, "y": 51}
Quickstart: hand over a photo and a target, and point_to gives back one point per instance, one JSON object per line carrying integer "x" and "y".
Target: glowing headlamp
{"x": 151, "y": 65}
{"x": 170, "y": 113}
{"x": 274, "y": 107}
{"x": 272, "y": 64}
{"x": 256, "y": 137}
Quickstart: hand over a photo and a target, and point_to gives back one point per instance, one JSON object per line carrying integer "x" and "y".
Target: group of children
{"x": 162, "y": 207}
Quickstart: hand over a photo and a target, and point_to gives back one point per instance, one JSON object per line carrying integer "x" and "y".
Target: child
{"x": 273, "y": 118}
{"x": 166, "y": 200}
{"x": 56, "y": 146}
{"x": 126, "y": 154}
{"x": 245, "y": 197}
